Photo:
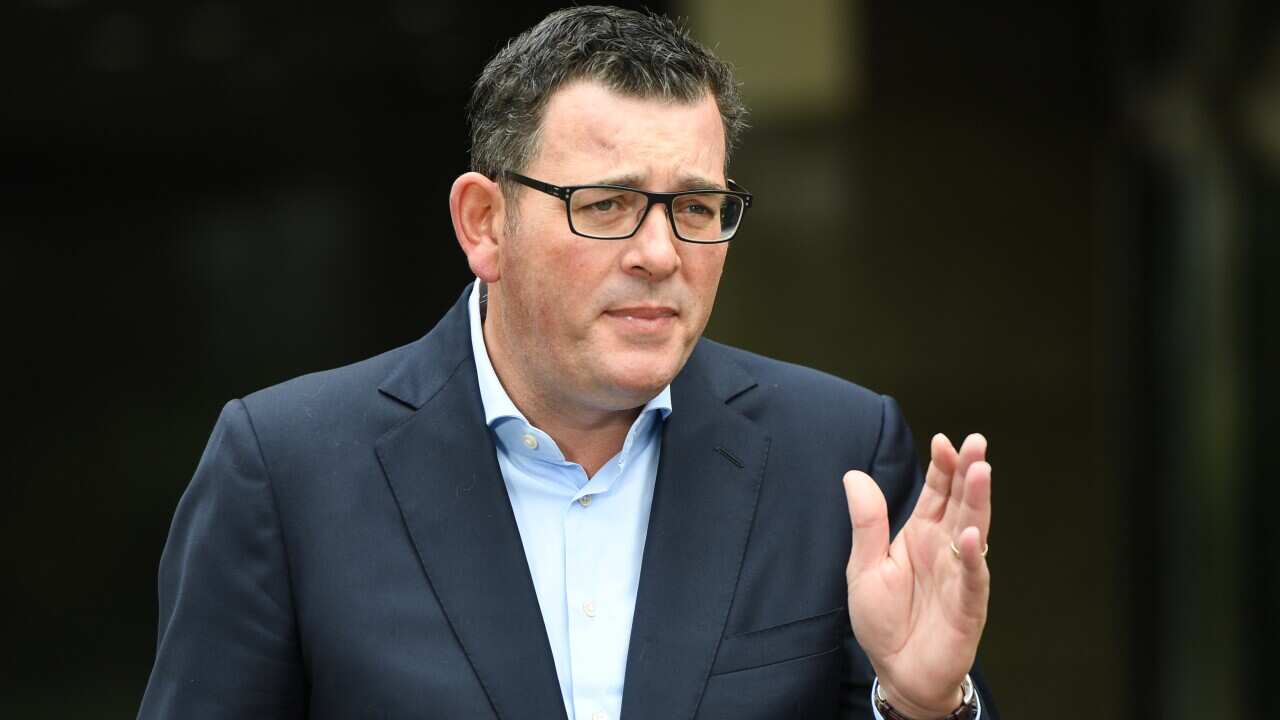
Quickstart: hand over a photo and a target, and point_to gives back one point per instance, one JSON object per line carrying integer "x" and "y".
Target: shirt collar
{"x": 497, "y": 404}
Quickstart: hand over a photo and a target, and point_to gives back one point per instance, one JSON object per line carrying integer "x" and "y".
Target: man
{"x": 562, "y": 502}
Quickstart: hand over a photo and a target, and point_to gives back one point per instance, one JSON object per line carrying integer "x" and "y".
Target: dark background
{"x": 1051, "y": 222}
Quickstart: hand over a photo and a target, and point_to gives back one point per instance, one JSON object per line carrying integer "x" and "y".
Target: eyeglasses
{"x": 615, "y": 212}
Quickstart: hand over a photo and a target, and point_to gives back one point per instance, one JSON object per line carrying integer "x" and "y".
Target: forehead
{"x": 590, "y": 133}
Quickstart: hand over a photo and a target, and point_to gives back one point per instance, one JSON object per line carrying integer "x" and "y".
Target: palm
{"x": 916, "y": 609}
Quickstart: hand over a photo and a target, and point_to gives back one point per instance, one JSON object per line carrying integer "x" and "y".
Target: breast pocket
{"x": 794, "y": 640}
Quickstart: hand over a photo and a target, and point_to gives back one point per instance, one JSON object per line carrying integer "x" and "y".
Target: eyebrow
{"x": 683, "y": 182}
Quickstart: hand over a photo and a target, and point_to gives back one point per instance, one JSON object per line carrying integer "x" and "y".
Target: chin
{"x": 639, "y": 379}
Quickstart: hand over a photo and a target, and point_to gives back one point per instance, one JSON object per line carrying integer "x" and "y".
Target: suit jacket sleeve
{"x": 228, "y": 642}
{"x": 896, "y": 470}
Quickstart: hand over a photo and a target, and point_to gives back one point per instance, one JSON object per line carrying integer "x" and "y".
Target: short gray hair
{"x": 636, "y": 54}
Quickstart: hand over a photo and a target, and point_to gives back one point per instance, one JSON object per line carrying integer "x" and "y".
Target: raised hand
{"x": 918, "y": 605}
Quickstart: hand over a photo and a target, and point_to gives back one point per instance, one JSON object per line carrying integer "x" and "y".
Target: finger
{"x": 976, "y": 577}
{"x": 972, "y": 450}
{"x": 976, "y": 510}
{"x": 937, "y": 479}
{"x": 869, "y": 516}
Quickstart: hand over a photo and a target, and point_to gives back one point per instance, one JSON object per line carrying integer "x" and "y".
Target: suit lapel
{"x": 704, "y": 504}
{"x": 444, "y": 475}
{"x": 443, "y": 471}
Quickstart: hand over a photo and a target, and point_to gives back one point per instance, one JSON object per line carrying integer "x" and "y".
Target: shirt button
{"x": 585, "y": 501}
{"x": 530, "y": 442}
{"x": 599, "y": 716}
{"x": 589, "y": 608}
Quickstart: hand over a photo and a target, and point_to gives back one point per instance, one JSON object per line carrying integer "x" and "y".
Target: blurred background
{"x": 1051, "y": 222}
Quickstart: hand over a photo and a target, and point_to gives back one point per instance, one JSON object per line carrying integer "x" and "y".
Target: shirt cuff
{"x": 977, "y": 696}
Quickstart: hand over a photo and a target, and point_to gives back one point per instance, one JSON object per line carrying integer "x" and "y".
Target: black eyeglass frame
{"x": 655, "y": 198}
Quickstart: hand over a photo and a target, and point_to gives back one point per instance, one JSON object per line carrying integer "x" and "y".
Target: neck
{"x": 586, "y": 440}
{"x": 586, "y": 435}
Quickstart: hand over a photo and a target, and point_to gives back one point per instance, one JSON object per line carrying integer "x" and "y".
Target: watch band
{"x": 968, "y": 709}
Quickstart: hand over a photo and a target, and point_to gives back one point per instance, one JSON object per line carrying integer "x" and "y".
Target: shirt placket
{"x": 592, "y": 618}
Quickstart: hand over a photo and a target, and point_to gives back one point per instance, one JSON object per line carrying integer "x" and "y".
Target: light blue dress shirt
{"x": 583, "y": 537}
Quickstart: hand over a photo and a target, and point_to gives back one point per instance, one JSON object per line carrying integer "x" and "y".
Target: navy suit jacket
{"x": 346, "y": 549}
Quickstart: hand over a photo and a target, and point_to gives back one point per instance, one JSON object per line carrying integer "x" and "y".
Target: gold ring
{"x": 956, "y": 550}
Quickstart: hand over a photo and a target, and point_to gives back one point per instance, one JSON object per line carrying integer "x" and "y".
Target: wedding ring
{"x": 956, "y": 550}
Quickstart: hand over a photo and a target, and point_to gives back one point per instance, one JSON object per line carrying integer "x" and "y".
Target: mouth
{"x": 644, "y": 318}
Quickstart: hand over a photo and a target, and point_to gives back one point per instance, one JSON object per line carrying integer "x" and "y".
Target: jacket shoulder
{"x": 334, "y": 406}
{"x": 811, "y": 410}
{"x": 788, "y": 382}
{"x": 402, "y": 373}
{"x": 329, "y": 385}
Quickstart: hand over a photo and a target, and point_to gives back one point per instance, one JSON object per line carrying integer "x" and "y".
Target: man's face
{"x": 606, "y": 324}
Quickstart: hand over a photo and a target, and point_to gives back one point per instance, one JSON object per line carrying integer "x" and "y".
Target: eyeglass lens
{"x": 615, "y": 213}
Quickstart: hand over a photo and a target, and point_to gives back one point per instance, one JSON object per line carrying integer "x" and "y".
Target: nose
{"x": 652, "y": 253}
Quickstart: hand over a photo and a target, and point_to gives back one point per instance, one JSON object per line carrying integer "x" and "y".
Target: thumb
{"x": 869, "y": 516}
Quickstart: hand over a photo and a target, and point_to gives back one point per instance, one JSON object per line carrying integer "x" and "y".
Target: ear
{"x": 477, "y": 208}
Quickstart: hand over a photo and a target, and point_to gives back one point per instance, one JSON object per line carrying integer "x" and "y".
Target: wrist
{"x": 959, "y": 705}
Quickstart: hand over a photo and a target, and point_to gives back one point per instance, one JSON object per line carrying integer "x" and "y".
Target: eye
{"x": 596, "y": 202}
{"x": 698, "y": 206}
